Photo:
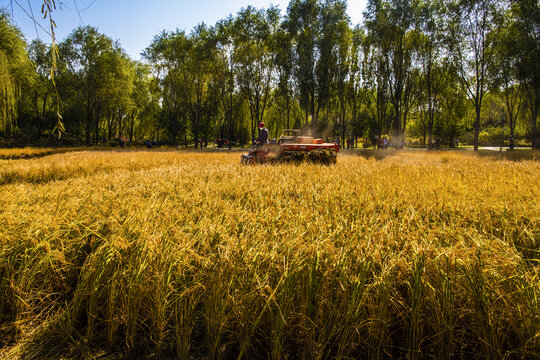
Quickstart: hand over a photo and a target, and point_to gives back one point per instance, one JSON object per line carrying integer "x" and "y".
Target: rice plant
{"x": 191, "y": 255}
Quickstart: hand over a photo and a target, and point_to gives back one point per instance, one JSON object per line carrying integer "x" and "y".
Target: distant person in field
{"x": 263, "y": 135}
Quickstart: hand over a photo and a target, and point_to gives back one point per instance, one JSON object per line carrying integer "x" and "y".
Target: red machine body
{"x": 309, "y": 147}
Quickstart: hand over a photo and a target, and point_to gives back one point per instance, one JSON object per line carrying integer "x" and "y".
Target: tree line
{"x": 419, "y": 71}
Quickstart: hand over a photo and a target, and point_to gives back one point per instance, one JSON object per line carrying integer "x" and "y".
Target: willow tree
{"x": 169, "y": 54}
{"x": 15, "y": 71}
{"x": 92, "y": 67}
{"x": 187, "y": 70}
{"x": 41, "y": 97}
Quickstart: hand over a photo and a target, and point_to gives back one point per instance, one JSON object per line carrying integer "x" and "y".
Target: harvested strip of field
{"x": 28, "y": 153}
{"x": 191, "y": 254}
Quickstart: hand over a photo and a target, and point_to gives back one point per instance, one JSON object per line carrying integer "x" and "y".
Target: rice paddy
{"x": 141, "y": 254}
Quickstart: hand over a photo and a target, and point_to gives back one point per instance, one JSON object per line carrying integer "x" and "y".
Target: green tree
{"x": 526, "y": 30}
{"x": 168, "y": 54}
{"x": 199, "y": 78}
{"x": 302, "y": 23}
{"x": 432, "y": 80}
{"x": 333, "y": 45}
{"x": 230, "y": 96}
{"x": 140, "y": 122}
{"x": 15, "y": 71}
{"x": 119, "y": 74}
{"x": 504, "y": 73}
{"x": 472, "y": 34}
{"x": 357, "y": 87}
{"x": 452, "y": 105}
{"x": 335, "y": 63}
{"x": 390, "y": 25}
{"x": 254, "y": 51}
{"x": 284, "y": 61}
{"x": 187, "y": 67}
{"x": 375, "y": 74}
{"x": 41, "y": 95}
{"x": 93, "y": 75}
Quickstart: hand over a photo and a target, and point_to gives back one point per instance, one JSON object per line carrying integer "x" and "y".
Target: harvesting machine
{"x": 291, "y": 147}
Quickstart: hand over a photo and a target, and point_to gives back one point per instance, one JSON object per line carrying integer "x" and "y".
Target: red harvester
{"x": 291, "y": 147}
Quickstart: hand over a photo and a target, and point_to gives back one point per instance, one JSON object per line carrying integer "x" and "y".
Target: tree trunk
{"x": 397, "y": 121}
{"x": 173, "y": 122}
{"x": 88, "y": 130}
{"x": 131, "y": 126}
{"x": 476, "y": 127}
{"x": 288, "y": 113}
{"x": 97, "y": 115}
{"x": 314, "y": 119}
{"x": 252, "y": 124}
{"x": 534, "y": 117}
{"x": 110, "y": 126}
{"x": 42, "y": 119}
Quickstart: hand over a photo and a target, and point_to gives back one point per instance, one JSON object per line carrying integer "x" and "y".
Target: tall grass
{"x": 189, "y": 255}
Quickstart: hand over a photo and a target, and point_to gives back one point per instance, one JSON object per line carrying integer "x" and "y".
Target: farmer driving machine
{"x": 291, "y": 147}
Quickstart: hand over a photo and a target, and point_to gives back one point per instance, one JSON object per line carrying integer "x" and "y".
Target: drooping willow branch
{"x": 46, "y": 10}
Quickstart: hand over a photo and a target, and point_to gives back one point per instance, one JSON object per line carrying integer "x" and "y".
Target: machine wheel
{"x": 247, "y": 160}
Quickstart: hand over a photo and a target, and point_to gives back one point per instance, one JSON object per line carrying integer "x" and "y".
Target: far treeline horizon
{"x": 422, "y": 72}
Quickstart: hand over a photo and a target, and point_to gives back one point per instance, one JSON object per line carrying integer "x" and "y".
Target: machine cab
{"x": 289, "y": 136}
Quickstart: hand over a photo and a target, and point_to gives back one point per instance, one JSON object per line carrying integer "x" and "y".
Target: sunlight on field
{"x": 192, "y": 254}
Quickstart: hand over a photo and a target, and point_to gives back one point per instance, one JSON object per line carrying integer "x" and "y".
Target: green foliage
{"x": 407, "y": 68}
{"x": 472, "y": 36}
{"x": 526, "y": 30}
{"x": 15, "y": 71}
{"x": 96, "y": 75}
{"x": 187, "y": 75}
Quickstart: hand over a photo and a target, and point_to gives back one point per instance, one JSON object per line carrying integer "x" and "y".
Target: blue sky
{"x": 135, "y": 23}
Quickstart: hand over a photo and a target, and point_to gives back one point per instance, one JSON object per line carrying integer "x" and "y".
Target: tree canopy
{"x": 15, "y": 71}
{"x": 416, "y": 71}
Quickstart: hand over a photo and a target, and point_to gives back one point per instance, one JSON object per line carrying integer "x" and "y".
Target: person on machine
{"x": 263, "y": 135}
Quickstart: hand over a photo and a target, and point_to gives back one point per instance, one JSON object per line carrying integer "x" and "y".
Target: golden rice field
{"x": 141, "y": 254}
